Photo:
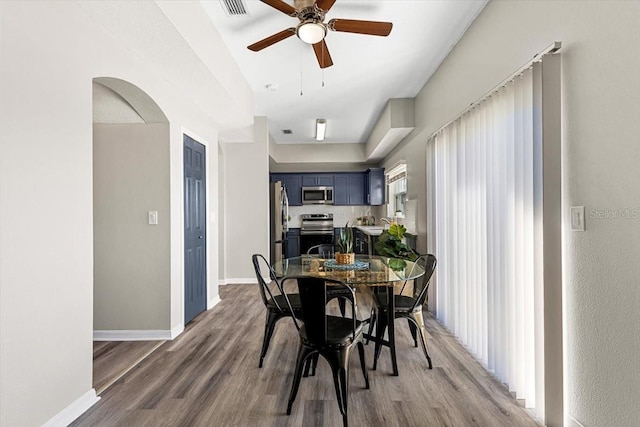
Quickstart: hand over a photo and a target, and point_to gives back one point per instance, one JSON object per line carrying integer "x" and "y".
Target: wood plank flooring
{"x": 113, "y": 359}
{"x": 209, "y": 376}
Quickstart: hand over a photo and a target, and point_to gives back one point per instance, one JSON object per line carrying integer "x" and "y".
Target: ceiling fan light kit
{"x": 311, "y": 32}
{"x": 312, "y": 29}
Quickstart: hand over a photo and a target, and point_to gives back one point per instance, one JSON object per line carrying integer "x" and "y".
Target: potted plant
{"x": 344, "y": 245}
{"x": 390, "y": 245}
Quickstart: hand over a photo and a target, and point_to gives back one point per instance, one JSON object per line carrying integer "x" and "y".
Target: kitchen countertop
{"x": 371, "y": 230}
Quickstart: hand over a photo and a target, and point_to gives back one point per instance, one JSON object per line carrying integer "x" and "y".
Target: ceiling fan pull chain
{"x": 322, "y": 69}
{"x": 300, "y": 72}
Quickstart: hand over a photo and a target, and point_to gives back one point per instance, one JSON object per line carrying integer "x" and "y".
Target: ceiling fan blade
{"x": 325, "y": 4}
{"x": 281, "y": 6}
{"x": 322, "y": 53}
{"x": 277, "y": 37}
{"x": 374, "y": 28}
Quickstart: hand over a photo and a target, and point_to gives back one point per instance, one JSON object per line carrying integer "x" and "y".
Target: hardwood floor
{"x": 209, "y": 376}
{"x": 113, "y": 359}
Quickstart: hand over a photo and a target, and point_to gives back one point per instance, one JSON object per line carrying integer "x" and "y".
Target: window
{"x": 397, "y": 187}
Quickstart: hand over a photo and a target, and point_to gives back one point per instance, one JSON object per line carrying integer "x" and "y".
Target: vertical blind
{"x": 481, "y": 192}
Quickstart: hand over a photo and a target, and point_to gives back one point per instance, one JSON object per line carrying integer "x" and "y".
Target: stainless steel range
{"x": 316, "y": 229}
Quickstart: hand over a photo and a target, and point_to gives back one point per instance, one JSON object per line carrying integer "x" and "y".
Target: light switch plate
{"x": 577, "y": 218}
{"x": 153, "y": 217}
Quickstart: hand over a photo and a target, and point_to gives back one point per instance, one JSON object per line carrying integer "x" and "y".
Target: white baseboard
{"x": 176, "y": 330}
{"x": 73, "y": 411}
{"x": 141, "y": 335}
{"x": 239, "y": 281}
{"x": 213, "y": 302}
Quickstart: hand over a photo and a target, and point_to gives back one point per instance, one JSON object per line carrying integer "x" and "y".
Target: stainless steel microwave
{"x": 317, "y": 195}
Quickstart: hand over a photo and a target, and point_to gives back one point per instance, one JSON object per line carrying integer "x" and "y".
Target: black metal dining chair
{"x": 332, "y": 337}
{"x": 406, "y": 307}
{"x": 274, "y": 301}
{"x": 324, "y": 250}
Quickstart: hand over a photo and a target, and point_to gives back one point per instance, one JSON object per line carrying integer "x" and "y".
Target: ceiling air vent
{"x": 287, "y": 131}
{"x": 235, "y": 7}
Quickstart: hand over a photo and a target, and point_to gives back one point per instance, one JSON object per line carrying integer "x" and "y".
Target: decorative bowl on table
{"x": 355, "y": 265}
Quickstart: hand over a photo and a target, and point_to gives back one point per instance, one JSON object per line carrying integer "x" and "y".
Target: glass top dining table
{"x": 367, "y": 271}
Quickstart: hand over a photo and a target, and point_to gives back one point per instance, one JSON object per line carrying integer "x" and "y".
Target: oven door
{"x": 309, "y": 240}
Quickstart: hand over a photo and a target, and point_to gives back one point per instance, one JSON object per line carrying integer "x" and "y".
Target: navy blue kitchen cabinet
{"x": 317, "y": 180}
{"x": 293, "y": 184}
{"x": 356, "y": 189}
{"x": 292, "y": 243}
{"x": 361, "y": 242}
{"x": 348, "y": 188}
{"x": 375, "y": 187}
{"x": 340, "y": 189}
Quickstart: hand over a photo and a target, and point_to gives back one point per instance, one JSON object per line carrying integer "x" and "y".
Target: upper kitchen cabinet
{"x": 349, "y": 189}
{"x": 317, "y": 180}
{"x": 375, "y": 187}
{"x": 292, "y": 183}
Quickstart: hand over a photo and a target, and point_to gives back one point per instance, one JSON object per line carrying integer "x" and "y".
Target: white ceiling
{"x": 367, "y": 70}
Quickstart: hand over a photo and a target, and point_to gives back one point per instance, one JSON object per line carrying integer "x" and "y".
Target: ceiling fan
{"x": 312, "y": 29}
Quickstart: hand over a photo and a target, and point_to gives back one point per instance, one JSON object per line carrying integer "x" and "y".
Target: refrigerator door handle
{"x": 285, "y": 211}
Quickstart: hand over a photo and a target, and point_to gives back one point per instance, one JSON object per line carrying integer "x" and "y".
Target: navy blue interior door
{"x": 195, "y": 236}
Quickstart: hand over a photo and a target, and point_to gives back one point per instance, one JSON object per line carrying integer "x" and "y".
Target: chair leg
{"x": 339, "y": 362}
{"x": 310, "y": 365}
{"x": 303, "y": 354}
{"x": 414, "y": 333}
{"x": 380, "y": 328}
{"x": 417, "y": 318}
{"x": 314, "y": 364}
{"x": 269, "y": 326}
{"x": 307, "y": 366}
{"x": 363, "y": 365}
{"x": 372, "y": 323}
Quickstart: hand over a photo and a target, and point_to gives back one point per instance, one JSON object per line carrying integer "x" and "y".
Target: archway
{"x": 131, "y": 220}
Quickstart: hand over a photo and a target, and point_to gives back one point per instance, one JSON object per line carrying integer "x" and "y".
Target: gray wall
{"x": 601, "y": 154}
{"x": 246, "y": 203}
{"x": 51, "y": 52}
{"x": 131, "y": 257}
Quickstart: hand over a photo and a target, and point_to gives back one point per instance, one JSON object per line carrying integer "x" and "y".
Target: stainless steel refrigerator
{"x": 279, "y": 219}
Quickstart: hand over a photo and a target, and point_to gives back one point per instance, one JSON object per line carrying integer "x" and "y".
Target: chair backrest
{"x": 421, "y": 285}
{"x": 261, "y": 265}
{"x": 313, "y": 303}
{"x": 325, "y": 250}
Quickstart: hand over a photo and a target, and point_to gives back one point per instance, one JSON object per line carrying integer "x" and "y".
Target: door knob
{"x": 200, "y": 237}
